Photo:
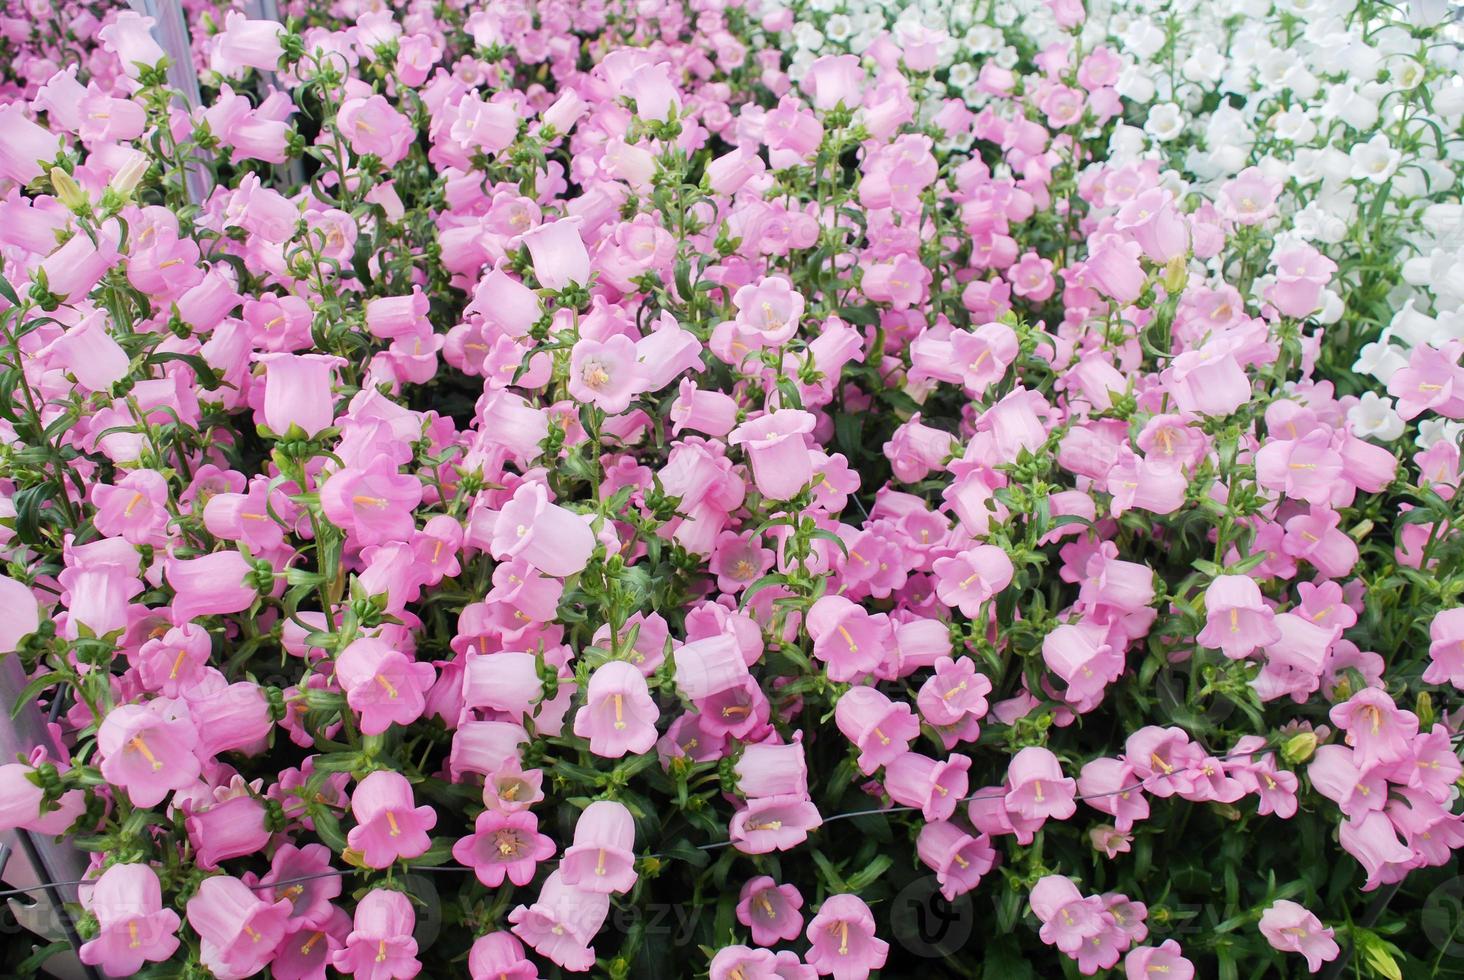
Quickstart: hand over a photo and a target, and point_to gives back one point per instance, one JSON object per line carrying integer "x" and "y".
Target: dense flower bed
{"x": 760, "y": 488}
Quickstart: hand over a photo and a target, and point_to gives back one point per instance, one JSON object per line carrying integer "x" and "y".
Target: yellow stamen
{"x": 391, "y": 821}
{"x": 387, "y": 686}
{"x": 1235, "y": 620}
{"x": 132, "y": 504}
{"x": 853, "y": 647}
{"x": 619, "y": 721}
{"x": 310, "y": 944}
{"x": 883, "y": 738}
{"x": 381, "y": 951}
{"x": 600, "y": 863}
{"x": 953, "y": 691}
{"x": 843, "y": 939}
{"x": 1037, "y": 790}
{"x": 177, "y": 665}
{"x": 137, "y": 743}
{"x": 361, "y": 501}
{"x": 132, "y": 934}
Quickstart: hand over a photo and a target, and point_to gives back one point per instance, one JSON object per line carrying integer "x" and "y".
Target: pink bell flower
{"x": 558, "y": 253}
{"x": 605, "y": 373}
{"x": 619, "y": 715}
{"x": 240, "y": 931}
{"x": 389, "y": 827}
{"x": 770, "y": 910}
{"x": 1039, "y": 790}
{"x": 500, "y": 956}
{"x": 380, "y": 945}
{"x": 1237, "y": 620}
{"x": 212, "y": 585}
{"x": 843, "y": 939}
{"x": 298, "y": 392}
{"x": 849, "y": 641}
{"x": 932, "y": 786}
{"x": 554, "y": 540}
{"x": 778, "y": 451}
{"x": 954, "y": 692}
{"x": 880, "y": 729}
{"x": 148, "y": 750}
{"x": 504, "y": 844}
{"x": 773, "y": 823}
{"x": 1165, "y": 960}
{"x": 561, "y": 924}
{"x": 602, "y": 857}
{"x": 1377, "y": 729}
{"x": 383, "y": 686}
{"x": 969, "y": 579}
{"x": 1446, "y": 651}
{"x": 133, "y": 926}
{"x": 1290, "y": 928}
{"x": 957, "y": 858}
{"x": 374, "y": 503}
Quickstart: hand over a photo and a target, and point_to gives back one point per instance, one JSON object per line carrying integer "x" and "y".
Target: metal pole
{"x": 170, "y": 28}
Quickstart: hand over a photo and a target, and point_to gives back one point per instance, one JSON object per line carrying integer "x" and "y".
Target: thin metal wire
{"x": 715, "y": 845}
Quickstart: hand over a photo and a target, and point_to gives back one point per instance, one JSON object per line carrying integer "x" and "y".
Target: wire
{"x": 715, "y": 845}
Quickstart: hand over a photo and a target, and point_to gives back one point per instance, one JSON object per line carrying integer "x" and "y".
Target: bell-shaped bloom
{"x": 175, "y": 660}
{"x": 374, "y": 503}
{"x": 211, "y": 585}
{"x": 21, "y": 800}
{"x": 240, "y": 930}
{"x": 881, "y": 729}
{"x": 383, "y": 685}
{"x": 148, "y": 750}
{"x": 1373, "y": 838}
{"x": 485, "y": 747}
{"x": 554, "y": 540}
{"x": 1290, "y": 928}
{"x": 1237, "y": 619}
{"x": 770, "y": 910}
{"x": 843, "y": 939}
{"x": 953, "y": 693}
{"x": 710, "y": 666}
{"x": 777, "y": 449}
{"x": 773, "y": 823}
{"x": 602, "y": 857}
{"x": 500, "y": 956}
{"x": 380, "y": 945}
{"x": 932, "y": 785}
{"x": 619, "y": 715}
{"x": 307, "y": 881}
{"x": 1110, "y": 786}
{"x": 562, "y": 922}
{"x": 1081, "y": 654}
{"x": 507, "y": 681}
{"x": 298, "y": 392}
{"x": 230, "y": 829}
{"x": 849, "y": 641}
{"x": 1334, "y": 772}
{"x": 389, "y": 826}
{"x": 1038, "y": 788}
{"x": 245, "y": 43}
{"x": 970, "y": 578}
{"x": 1377, "y": 729}
{"x": 1069, "y": 920}
{"x": 1165, "y": 960}
{"x": 957, "y": 858}
{"x": 133, "y": 928}
{"x": 558, "y": 253}
{"x": 504, "y": 844}
{"x": 1446, "y": 651}
{"x": 20, "y": 614}
{"x": 772, "y": 769}
{"x": 605, "y": 373}
{"x": 135, "y": 509}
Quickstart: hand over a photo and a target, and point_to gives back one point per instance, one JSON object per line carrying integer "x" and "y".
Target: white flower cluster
{"x": 1311, "y": 92}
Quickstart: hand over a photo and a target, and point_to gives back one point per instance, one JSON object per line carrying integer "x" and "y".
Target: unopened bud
{"x": 1299, "y": 748}
{"x": 68, "y": 191}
